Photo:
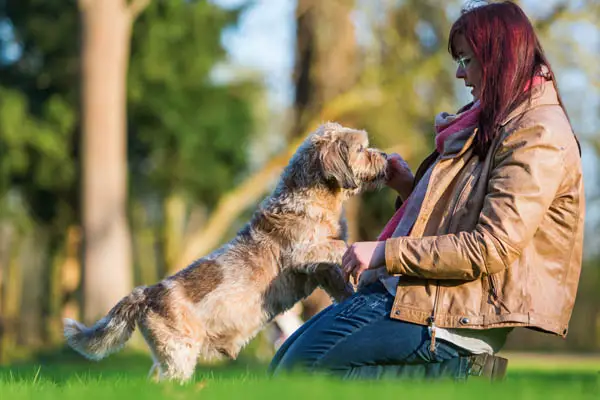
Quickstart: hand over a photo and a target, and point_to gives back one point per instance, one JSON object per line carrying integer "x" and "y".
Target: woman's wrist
{"x": 379, "y": 255}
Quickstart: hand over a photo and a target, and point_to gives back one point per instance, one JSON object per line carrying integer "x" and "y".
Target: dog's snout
{"x": 383, "y": 154}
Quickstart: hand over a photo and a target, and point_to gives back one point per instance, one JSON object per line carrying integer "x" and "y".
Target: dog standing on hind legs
{"x": 293, "y": 243}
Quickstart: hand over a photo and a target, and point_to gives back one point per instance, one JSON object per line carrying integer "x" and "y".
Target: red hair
{"x": 504, "y": 42}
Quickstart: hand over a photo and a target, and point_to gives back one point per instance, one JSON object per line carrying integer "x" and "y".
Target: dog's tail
{"x": 109, "y": 334}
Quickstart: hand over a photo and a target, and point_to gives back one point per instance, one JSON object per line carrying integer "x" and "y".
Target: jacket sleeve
{"x": 528, "y": 170}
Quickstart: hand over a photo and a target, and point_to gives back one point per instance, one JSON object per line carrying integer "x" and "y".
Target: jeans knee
{"x": 292, "y": 361}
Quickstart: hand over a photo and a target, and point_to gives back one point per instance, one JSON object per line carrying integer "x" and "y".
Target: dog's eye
{"x": 361, "y": 149}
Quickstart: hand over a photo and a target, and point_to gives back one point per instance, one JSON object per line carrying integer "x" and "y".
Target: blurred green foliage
{"x": 38, "y": 113}
{"x": 186, "y": 133}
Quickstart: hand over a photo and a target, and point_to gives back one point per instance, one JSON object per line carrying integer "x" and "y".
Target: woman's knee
{"x": 295, "y": 354}
{"x": 282, "y": 357}
{"x": 320, "y": 340}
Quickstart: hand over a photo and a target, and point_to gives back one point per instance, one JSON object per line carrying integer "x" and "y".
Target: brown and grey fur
{"x": 293, "y": 244}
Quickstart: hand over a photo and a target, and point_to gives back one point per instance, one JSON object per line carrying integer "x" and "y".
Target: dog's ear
{"x": 334, "y": 164}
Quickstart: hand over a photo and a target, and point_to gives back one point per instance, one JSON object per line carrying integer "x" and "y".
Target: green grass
{"x": 65, "y": 376}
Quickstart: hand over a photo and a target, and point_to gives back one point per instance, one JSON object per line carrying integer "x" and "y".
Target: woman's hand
{"x": 400, "y": 177}
{"x": 361, "y": 256}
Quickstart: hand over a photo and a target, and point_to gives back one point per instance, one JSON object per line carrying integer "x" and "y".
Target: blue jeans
{"x": 358, "y": 340}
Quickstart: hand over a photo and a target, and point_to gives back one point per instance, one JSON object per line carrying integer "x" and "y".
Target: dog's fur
{"x": 293, "y": 243}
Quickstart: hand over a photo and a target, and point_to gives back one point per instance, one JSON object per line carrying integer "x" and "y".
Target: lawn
{"x": 65, "y": 376}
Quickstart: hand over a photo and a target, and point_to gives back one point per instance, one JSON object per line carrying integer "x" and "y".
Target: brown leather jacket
{"x": 498, "y": 242}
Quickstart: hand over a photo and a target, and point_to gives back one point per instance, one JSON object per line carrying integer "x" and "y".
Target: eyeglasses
{"x": 463, "y": 61}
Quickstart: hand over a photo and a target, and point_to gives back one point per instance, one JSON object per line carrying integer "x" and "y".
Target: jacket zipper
{"x": 493, "y": 287}
{"x": 495, "y": 294}
{"x": 463, "y": 190}
{"x": 432, "y": 324}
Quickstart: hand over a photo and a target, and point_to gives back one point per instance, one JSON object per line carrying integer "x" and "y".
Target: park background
{"x": 137, "y": 135}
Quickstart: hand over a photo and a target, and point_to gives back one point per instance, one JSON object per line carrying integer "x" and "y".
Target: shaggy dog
{"x": 293, "y": 244}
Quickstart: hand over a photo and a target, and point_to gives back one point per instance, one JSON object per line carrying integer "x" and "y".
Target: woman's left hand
{"x": 361, "y": 256}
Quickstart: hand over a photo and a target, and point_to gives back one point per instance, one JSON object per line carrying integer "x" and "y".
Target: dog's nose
{"x": 384, "y": 154}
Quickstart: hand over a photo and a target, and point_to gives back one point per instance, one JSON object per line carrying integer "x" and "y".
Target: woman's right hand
{"x": 399, "y": 176}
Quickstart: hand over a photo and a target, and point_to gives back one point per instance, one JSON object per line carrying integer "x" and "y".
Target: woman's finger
{"x": 348, "y": 274}
{"x": 347, "y": 269}
{"x": 346, "y": 257}
{"x": 357, "y": 272}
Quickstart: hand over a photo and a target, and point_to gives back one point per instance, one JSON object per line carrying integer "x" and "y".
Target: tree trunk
{"x": 107, "y": 248}
{"x": 326, "y": 57}
{"x": 325, "y": 67}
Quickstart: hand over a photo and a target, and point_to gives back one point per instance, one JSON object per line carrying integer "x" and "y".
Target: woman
{"x": 489, "y": 234}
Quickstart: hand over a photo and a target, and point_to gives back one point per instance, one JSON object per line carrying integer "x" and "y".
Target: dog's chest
{"x": 319, "y": 231}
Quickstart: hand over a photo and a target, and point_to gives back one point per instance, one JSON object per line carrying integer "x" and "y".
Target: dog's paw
{"x": 348, "y": 291}
{"x": 341, "y": 295}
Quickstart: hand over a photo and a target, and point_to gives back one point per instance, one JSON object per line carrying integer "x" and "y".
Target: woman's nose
{"x": 460, "y": 73}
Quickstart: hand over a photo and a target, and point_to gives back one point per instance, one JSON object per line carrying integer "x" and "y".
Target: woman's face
{"x": 469, "y": 68}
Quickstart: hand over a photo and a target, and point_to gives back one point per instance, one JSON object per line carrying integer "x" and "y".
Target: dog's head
{"x": 339, "y": 158}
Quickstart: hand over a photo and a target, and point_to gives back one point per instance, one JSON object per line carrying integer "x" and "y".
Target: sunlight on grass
{"x": 65, "y": 377}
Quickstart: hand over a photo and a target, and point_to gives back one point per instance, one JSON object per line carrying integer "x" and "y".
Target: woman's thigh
{"x": 357, "y": 333}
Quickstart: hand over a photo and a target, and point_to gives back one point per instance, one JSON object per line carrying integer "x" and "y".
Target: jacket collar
{"x": 543, "y": 95}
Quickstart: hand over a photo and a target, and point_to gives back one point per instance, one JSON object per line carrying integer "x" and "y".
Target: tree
{"x": 326, "y": 57}
{"x": 107, "y": 274}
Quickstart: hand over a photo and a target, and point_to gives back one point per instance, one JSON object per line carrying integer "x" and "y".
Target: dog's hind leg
{"x": 154, "y": 373}
{"x": 179, "y": 362}
{"x": 174, "y": 353}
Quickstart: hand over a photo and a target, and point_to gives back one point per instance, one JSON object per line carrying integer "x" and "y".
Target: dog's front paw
{"x": 336, "y": 286}
{"x": 346, "y": 293}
